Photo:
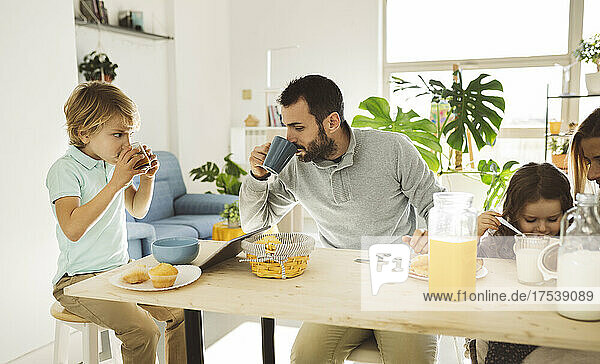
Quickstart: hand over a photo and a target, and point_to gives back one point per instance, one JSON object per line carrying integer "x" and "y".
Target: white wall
{"x": 337, "y": 38}
{"x": 143, "y": 64}
{"x": 38, "y": 72}
{"x": 202, "y": 63}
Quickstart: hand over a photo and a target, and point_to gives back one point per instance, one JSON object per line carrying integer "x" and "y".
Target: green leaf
{"x": 430, "y": 158}
{"x": 377, "y": 106}
{"x": 475, "y": 108}
{"x": 233, "y": 168}
{"x": 206, "y": 173}
{"x": 419, "y": 130}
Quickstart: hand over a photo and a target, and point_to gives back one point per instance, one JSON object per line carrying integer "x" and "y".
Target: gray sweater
{"x": 373, "y": 191}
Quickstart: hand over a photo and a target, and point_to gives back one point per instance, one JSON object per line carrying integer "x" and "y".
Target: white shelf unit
{"x": 242, "y": 142}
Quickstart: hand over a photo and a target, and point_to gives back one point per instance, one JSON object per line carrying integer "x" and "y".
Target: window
{"x": 523, "y": 44}
{"x": 420, "y": 30}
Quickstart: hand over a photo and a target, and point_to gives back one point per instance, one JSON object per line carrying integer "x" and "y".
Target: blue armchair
{"x": 173, "y": 212}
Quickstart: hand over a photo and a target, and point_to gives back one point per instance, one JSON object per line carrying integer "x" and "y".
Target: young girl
{"x": 536, "y": 198}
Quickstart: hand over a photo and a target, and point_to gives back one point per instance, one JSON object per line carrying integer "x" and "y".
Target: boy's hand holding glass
{"x": 125, "y": 169}
{"x": 153, "y": 164}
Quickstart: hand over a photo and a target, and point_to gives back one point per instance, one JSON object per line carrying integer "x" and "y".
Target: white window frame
{"x": 569, "y": 107}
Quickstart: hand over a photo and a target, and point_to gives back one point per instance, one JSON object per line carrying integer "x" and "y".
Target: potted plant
{"x": 97, "y": 66}
{"x": 559, "y": 148}
{"x": 227, "y": 181}
{"x": 588, "y": 51}
{"x": 232, "y": 214}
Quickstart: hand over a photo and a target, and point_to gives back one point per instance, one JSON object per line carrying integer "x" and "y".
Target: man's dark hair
{"x": 322, "y": 95}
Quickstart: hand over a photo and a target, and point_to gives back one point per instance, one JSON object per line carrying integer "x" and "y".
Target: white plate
{"x": 482, "y": 272}
{"x": 187, "y": 274}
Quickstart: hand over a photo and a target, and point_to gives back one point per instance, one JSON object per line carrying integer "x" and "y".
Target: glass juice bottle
{"x": 452, "y": 243}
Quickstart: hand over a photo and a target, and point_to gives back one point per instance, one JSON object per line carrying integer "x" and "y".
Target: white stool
{"x": 89, "y": 332}
{"x": 367, "y": 352}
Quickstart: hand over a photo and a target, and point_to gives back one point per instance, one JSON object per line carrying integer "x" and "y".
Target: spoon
{"x": 509, "y": 225}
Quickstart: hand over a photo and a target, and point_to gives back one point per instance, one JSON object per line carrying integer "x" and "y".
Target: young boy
{"x": 90, "y": 187}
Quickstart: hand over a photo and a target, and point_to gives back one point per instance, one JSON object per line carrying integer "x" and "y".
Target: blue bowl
{"x": 175, "y": 250}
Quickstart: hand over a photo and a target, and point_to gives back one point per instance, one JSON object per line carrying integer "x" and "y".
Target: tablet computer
{"x": 229, "y": 250}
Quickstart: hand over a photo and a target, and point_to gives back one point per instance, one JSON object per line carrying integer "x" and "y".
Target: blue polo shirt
{"x": 104, "y": 245}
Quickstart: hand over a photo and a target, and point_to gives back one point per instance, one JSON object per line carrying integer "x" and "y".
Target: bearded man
{"x": 354, "y": 183}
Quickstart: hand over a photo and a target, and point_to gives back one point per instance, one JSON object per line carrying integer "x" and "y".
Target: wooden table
{"x": 335, "y": 290}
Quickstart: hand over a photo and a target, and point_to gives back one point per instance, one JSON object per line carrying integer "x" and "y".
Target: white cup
{"x": 527, "y": 249}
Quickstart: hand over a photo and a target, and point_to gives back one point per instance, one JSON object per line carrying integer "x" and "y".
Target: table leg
{"x": 194, "y": 337}
{"x": 267, "y": 326}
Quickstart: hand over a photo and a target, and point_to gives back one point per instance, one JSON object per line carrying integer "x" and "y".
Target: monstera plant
{"x": 419, "y": 130}
{"x": 478, "y": 108}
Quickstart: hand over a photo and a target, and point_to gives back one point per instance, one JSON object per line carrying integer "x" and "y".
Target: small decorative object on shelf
{"x": 572, "y": 127}
{"x": 554, "y": 126}
{"x": 132, "y": 19}
{"x": 97, "y": 66}
{"x": 251, "y": 120}
{"x": 588, "y": 51}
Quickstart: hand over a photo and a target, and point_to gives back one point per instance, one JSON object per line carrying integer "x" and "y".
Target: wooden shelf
{"x": 121, "y": 30}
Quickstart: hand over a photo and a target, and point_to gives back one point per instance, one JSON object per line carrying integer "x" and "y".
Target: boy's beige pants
{"x": 132, "y": 323}
{"x": 319, "y": 343}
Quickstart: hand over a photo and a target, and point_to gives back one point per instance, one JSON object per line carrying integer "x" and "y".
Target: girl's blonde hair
{"x": 92, "y": 104}
{"x": 589, "y": 128}
{"x": 530, "y": 183}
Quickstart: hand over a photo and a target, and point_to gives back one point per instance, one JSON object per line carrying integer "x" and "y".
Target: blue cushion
{"x": 134, "y": 248}
{"x": 140, "y": 230}
{"x": 201, "y": 223}
{"x": 161, "y": 206}
{"x": 173, "y": 231}
{"x": 170, "y": 171}
{"x": 202, "y": 203}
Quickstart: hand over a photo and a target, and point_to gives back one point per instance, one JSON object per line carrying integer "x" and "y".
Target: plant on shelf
{"x": 559, "y": 148}
{"x": 227, "y": 180}
{"x": 97, "y": 66}
{"x": 475, "y": 111}
{"x": 232, "y": 214}
{"x": 588, "y": 50}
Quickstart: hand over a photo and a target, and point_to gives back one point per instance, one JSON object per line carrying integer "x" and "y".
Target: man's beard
{"x": 318, "y": 149}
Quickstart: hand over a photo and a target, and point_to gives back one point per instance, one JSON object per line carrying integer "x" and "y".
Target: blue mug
{"x": 279, "y": 155}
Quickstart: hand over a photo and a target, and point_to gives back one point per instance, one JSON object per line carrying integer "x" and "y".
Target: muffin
{"x": 163, "y": 275}
{"x": 136, "y": 274}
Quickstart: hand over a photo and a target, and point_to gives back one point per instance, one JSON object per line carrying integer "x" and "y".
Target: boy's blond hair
{"x": 92, "y": 104}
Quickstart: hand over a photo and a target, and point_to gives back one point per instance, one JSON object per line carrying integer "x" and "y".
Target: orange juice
{"x": 452, "y": 266}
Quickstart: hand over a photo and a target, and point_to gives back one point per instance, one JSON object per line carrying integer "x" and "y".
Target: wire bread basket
{"x": 280, "y": 255}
